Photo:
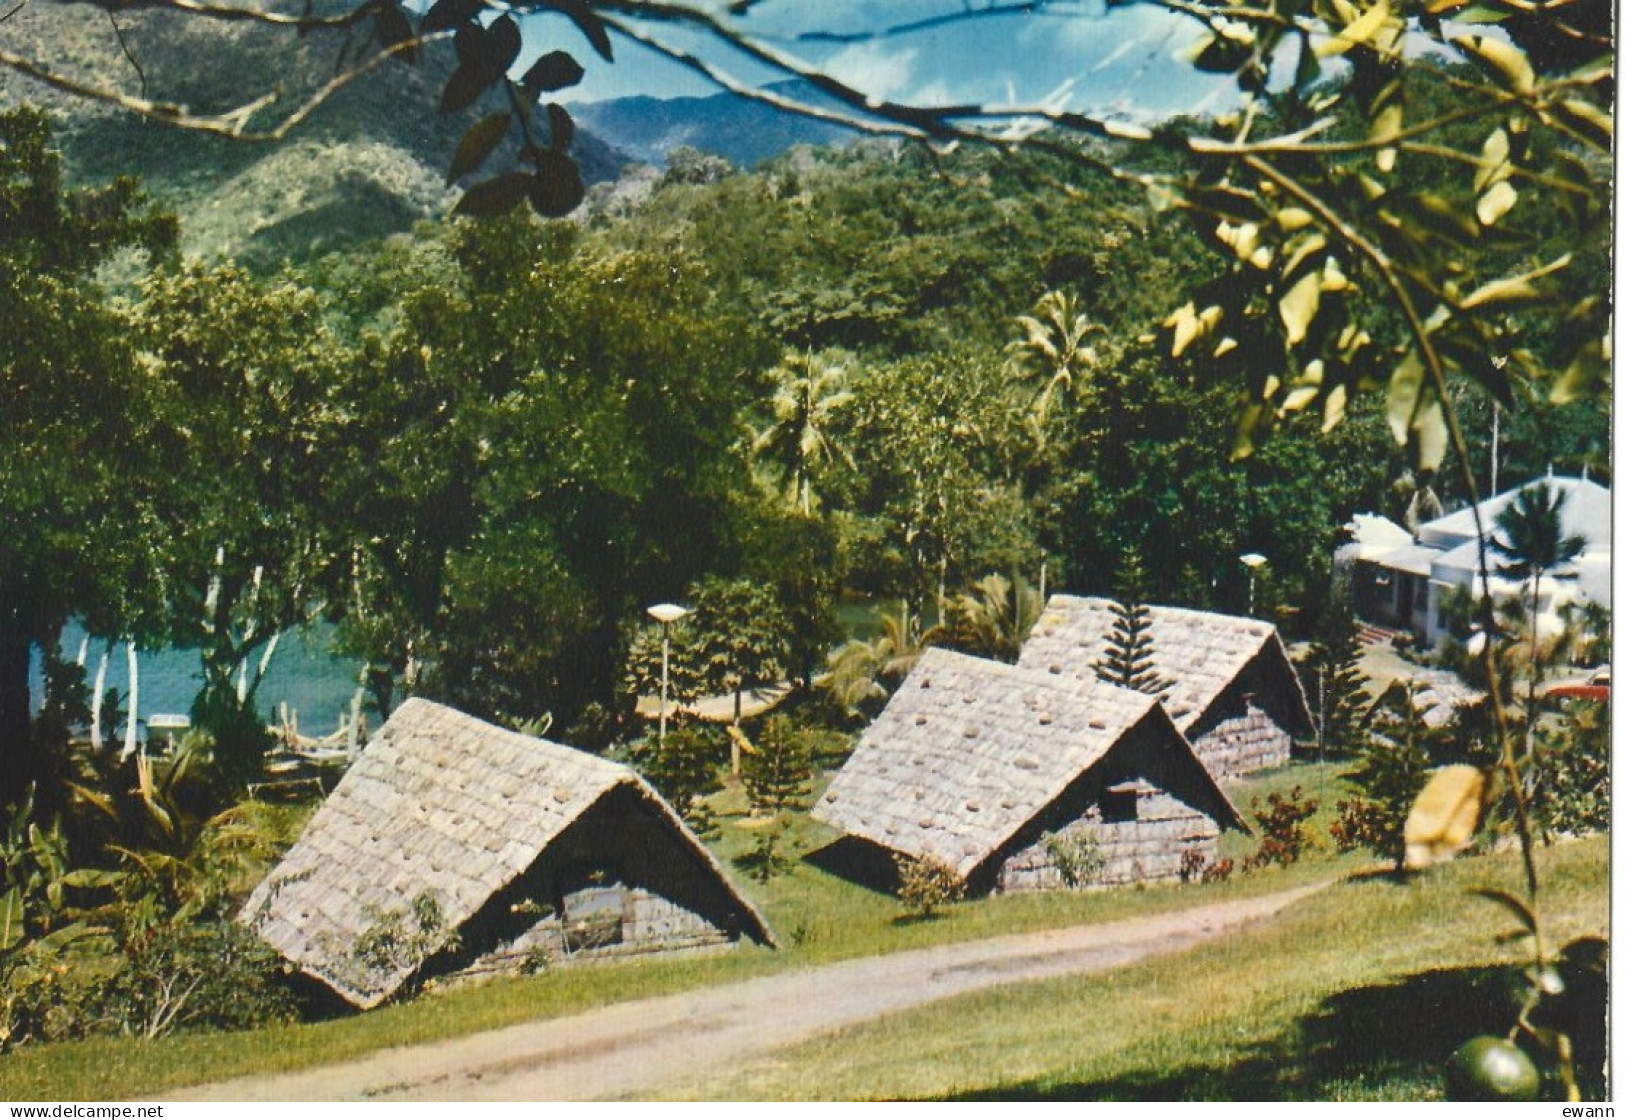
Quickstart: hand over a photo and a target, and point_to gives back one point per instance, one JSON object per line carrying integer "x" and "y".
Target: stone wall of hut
{"x": 1150, "y": 847}
{"x": 601, "y": 921}
{"x": 1242, "y": 744}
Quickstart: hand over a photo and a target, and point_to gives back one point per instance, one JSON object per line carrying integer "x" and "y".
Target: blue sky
{"x": 1121, "y": 62}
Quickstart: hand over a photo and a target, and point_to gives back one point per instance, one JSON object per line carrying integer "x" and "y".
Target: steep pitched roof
{"x": 1587, "y": 511}
{"x": 1200, "y": 652}
{"x": 968, "y": 751}
{"x": 439, "y": 802}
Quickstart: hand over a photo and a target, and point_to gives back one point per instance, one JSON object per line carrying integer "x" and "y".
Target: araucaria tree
{"x": 776, "y": 773}
{"x": 1334, "y": 676}
{"x": 1129, "y": 660}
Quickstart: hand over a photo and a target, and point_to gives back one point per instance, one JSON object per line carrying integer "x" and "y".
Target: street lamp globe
{"x": 665, "y": 613}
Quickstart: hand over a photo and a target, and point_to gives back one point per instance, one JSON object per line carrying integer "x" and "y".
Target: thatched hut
{"x": 1015, "y": 779}
{"x": 454, "y": 844}
{"x": 1233, "y": 691}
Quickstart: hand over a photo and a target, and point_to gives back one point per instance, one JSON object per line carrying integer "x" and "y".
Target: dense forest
{"x": 484, "y": 447}
{"x": 933, "y": 384}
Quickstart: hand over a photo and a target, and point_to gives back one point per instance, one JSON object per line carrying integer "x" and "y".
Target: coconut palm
{"x": 1052, "y": 353}
{"x": 860, "y": 671}
{"x": 809, "y": 390}
{"x": 993, "y": 618}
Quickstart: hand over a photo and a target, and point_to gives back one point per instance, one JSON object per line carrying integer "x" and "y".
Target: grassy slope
{"x": 1358, "y": 994}
{"x": 817, "y": 916}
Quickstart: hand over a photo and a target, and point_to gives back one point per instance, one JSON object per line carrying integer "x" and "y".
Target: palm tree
{"x": 1530, "y": 540}
{"x": 809, "y": 390}
{"x": 1052, "y": 353}
{"x": 993, "y": 618}
{"x": 860, "y": 671}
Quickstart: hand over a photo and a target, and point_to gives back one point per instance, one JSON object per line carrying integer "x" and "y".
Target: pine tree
{"x": 1128, "y": 662}
{"x": 1335, "y": 679}
{"x": 776, "y": 773}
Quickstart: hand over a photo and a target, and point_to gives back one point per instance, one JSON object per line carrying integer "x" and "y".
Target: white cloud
{"x": 877, "y": 70}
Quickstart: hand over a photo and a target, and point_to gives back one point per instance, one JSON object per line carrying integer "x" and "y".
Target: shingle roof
{"x": 438, "y": 802}
{"x": 1200, "y": 652}
{"x": 968, "y": 751}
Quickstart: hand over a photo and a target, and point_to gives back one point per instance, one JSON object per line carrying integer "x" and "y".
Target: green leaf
{"x": 1586, "y": 375}
{"x": 469, "y": 43}
{"x": 463, "y": 88}
{"x": 556, "y": 189}
{"x": 1356, "y": 33}
{"x": 1586, "y": 120}
{"x": 477, "y": 144}
{"x": 1299, "y": 307}
{"x": 1494, "y": 161}
{"x": 447, "y": 14}
{"x": 580, "y": 13}
{"x": 90, "y": 878}
{"x": 11, "y": 919}
{"x": 494, "y": 196}
{"x": 1518, "y": 908}
{"x": 1494, "y": 203}
{"x": 393, "y": 28}
{"x": 561, "y": 129}
{"x": 1432, "y": 437}
{"x": 503, "y": 42}
{"x": 554, "y": 71}
{"x": 1504, "y": 63}
{"x": 1515, "y": 291}
{"x": 1404, "y": 391}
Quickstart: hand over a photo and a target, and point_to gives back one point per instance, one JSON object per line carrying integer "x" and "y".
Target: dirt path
{"x": 630, "y": 1047}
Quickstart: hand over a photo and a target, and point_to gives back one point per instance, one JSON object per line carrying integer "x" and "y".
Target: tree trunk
{"x": 96, "y": 698}
{"x": 18, "y": 766}
{"x": 134, "y": 706}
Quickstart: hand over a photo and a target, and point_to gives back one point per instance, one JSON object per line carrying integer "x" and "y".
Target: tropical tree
{"x": 248, "y": 380}
{"x": 808, "y": 389}
{"x": 862, "y": 671}
{"x": 993, "y": 618}
{"x": 776, "y": 772}
{"x": 1052, "y": 355}
{"x": 1334, "y": 674}
{"x": 1533, "y": 547}
{"x": 76, "y": 406}
{"x": 1129, "y": 660}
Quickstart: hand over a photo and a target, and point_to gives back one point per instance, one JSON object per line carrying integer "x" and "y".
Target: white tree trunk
{"x": 130, "y": 741}
{"x": 96, "y": 698}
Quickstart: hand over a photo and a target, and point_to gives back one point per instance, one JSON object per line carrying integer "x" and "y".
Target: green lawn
{"x": 817, "y": 916}
{"x": 1358, "y": 993}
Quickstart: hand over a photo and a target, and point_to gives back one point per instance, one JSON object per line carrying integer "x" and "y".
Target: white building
{"x": 1399, "y": 579}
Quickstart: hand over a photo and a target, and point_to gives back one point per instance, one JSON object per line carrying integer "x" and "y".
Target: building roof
{"x": 1201, "y": 653}
{"x": 439, "y": 802}
{"x": 969, "y": 751}
{"x": 1587, "y": 511}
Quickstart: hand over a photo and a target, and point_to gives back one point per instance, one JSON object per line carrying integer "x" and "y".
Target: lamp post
{"x": 1253, "y": 560}
{"x": 665, "y": 614}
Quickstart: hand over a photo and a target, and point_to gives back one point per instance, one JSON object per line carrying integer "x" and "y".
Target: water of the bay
{"x": 305, "y": 675}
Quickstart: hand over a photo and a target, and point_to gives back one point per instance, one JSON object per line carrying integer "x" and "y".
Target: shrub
{"x": 1191, "y": 865}
{"x": 1282, "y": 823}
{"x": 1219, "y": 870}
{"x": 395, "y": 940}
{"x": 1077, "y": 856}
{"x": 767, "y": 857}
{"x": 926, "y": 886}
{"x": 684, "y": 769}
{"x": 1571, "y": 785}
